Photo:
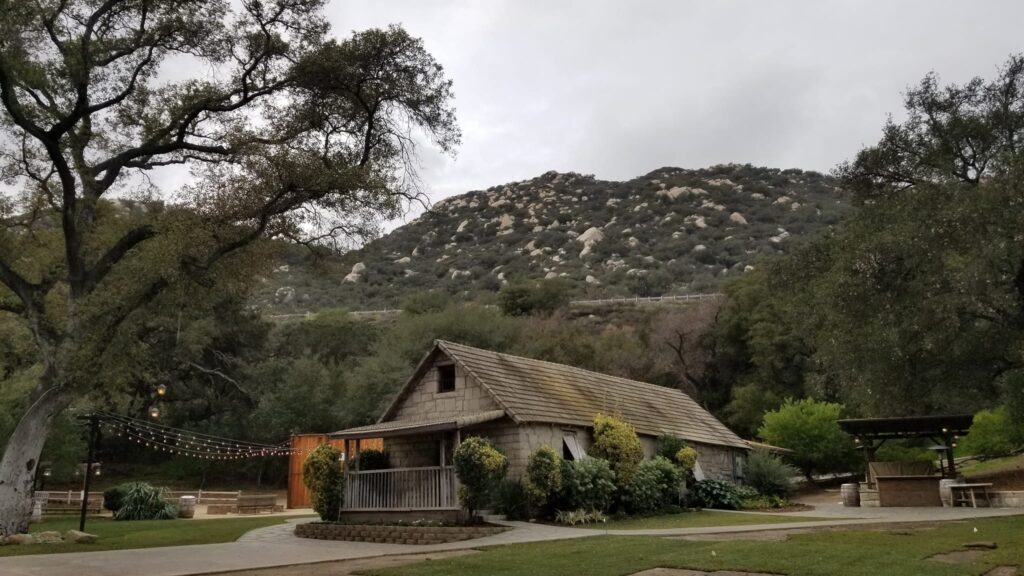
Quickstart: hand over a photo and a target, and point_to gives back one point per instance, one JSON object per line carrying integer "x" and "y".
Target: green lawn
{"x": 142, "y": 534}
{"x": 994, "y": 465}
{"x": 699, "y": 519}
{"x": 863, "y": 552}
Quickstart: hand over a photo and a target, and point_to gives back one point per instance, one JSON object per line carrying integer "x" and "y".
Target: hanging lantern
{"x": 161, "y": 390}
{"x": 154, "y": 412}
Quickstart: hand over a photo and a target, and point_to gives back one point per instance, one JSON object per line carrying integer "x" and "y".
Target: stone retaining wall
{"x": 393, "y": 534}
{"x": 1008, "y": 499}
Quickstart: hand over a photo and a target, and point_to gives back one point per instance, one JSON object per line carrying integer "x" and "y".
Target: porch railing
{"x": 430, "y": 488}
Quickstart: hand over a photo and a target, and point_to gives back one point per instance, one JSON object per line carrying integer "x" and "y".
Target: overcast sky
{"x": 620, "y": 88}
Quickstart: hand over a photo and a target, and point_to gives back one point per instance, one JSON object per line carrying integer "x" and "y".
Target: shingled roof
{"x": 536, "y": 391}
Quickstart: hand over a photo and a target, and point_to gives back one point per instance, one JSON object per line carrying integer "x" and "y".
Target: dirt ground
{"x": 347, "y": 567}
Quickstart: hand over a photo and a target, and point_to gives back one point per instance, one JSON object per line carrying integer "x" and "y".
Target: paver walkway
{"x": 278, "y": 546}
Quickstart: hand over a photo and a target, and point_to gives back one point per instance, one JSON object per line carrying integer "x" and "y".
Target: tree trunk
{"x": 20, "y": 460}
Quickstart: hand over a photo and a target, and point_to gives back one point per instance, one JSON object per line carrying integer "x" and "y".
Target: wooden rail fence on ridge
{"x": 622, "y": 300}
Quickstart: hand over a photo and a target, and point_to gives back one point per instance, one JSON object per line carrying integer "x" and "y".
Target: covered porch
{"x": 419, "y": 477}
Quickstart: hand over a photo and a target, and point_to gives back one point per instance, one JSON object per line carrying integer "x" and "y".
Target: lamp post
{"x": 94, "y": 436}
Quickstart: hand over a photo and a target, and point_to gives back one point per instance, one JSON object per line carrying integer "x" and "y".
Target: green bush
{"x": 581, "y": 516}
{"x": 768, "y": 474}
{"x": 616, "y": 441}
{"x": 543, "y": 478}
{"x": 588, "y": 484}
{"x": 715, "y": 494}
{"x": 686, "y": 458}
{"x": 113, "y": 498}
{"x": 668, "y": 446}
{"x": 140, "y": 501}
{"x": 537, "y": 297}
{"x": 372, "y": 459}
{"x": 512, "y": 500}
{"x": 994, "y": 434}
{"x": 479, "y": 466}
{"x": 322, "y": 475}
{"x": 654, "y": 486}
{"x": 811, "y": 430}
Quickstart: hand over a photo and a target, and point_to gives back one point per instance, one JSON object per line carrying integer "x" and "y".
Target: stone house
{"x": 520, "y": 404}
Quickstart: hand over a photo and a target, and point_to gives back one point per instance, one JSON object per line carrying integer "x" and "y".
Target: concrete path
{"x": 278, "y": 546}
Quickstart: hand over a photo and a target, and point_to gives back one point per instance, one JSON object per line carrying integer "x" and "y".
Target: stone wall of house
{"x": 413, "y": 451}
{"x": 507, "y": 437}
{"x": 424, "y": 402}
{"x": 715, "y": 461}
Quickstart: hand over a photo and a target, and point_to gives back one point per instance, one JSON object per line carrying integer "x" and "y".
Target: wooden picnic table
{"x": 968, "y": 493}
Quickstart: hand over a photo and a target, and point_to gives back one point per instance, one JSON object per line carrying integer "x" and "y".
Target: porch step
{"x": 489, "y": 516}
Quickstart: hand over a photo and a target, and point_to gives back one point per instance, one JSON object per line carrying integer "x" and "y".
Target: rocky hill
{"x": 669, "y": 231}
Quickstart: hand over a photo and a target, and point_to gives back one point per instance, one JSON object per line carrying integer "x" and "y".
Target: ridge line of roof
{"x": 601, "y": 374}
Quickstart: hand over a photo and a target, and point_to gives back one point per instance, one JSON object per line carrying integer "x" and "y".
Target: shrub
{"x": 811, "y": 430}
{"x": 616, "y": 441}
{"x": 537, "y": 297}
{"x": 668, "y": 446}
{"x": 765, "y": 503}
{"x": 715, "y": 494}
{"x": 372, "y": 459}
{"x": 589, "y": 484}
{"x": 581, "y": 516}
{"x": 686, "y": 458}
{"x": 322, "y": 475}
{"x": 543, "y": 477}
{"x": 768, "y": 474}
{"x": 512, "y": 500}
{"x": 479, "y": 466}
{"x": 654, "y": 486}
{"x": 993, "y": 434}
{"x": 113, "y": 498}
{"x": 140, "y": 501}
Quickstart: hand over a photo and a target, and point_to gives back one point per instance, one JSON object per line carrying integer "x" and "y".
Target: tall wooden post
{"x": 94, "y": 433}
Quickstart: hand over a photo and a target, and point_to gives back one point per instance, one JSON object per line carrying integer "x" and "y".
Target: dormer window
{"x": 446, "y": 378}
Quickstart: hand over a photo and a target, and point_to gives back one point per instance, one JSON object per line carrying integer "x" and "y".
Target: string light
{"x": 188, "y": 443}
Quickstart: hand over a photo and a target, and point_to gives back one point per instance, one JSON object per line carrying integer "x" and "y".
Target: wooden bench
{"x": 256, "y": 503}
{"x": 964, "y": 494}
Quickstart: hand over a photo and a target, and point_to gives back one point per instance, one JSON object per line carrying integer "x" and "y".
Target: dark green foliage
{"x": 654, "y": 486}
{"x": 811, "y": 431}
{"x": 426, "y": 302}
{"x": 942, "y": 123}
{"x": 715, "y": 494}
{"x": 480, "y": 467}
{"x": 667, "y": 446}
{"x": 372, "y": 459}
{"x": 512, "y": 500}
{"x": 587, "y": 484}
{"x": 140, "y": 501}
{"x": 322, "y": 474}
{"x": 768, "y": 474}
{"x": 113, "y": 498}
{"x": 542, "y": 297}
{"x": 543, "y": 479}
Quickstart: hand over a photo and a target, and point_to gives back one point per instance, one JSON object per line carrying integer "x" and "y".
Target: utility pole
{"x": 94, "y": 436}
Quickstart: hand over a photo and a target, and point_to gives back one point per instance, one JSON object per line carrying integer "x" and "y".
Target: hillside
{"x": 669, "y": 231}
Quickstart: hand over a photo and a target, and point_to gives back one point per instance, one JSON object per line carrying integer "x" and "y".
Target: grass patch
{"x": 995, "y": 465}
{"x": 825, "y": 553}
{"x": 142, "y": 534}
{"x": 697, "y": 519}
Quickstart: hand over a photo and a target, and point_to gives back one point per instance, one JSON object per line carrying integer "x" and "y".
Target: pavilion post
{"x": 949, "y": 458}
